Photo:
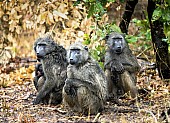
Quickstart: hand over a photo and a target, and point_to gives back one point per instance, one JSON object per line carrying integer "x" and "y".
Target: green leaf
{"x": 156, "y": 14}
{"x": 94, "y": 54}
{"x": 86, "y": 39}
{"x": 111, "y": 0}
{"x": 99, "y": 7}
{"x": 91, "y": 11}
{"x": 101, "y": 64}
{"x": 166, "y": 28}
{"x": 168, "y": 2}
{"x": 115, "y": 28}
{"x": 122, "y": 1}
{"x": 131, "y": 39}
{"x": 77, "y": 2}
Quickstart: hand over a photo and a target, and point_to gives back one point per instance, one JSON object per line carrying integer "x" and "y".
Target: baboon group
{"x": 74, "y": 78}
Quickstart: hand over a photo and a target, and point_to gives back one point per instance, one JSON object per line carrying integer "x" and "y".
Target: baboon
{"x": 39, "y": 77}
{"x": 85, "y": 88}
{"x": 54, "y": 64}
{"x": 39, "y": 80}
{"x": 120, "y": 66}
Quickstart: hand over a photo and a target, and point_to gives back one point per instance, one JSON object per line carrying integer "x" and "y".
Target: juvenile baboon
{"x": 85, "y": 88}
{"x": 39, "y": 77}
{"x": 54, "y": 65}
{"x": 121, "y": 66}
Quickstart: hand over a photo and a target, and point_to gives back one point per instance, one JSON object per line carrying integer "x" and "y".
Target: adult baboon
{"x": 121, "y": 66}
{"x": 54, "y": 64}
{"x": 39, "y": 80}
{"x": 85, "y": 89}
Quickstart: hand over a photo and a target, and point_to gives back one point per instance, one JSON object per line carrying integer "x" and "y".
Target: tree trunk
{"x": 129, "y": 9}
{"x": 160, "y": 47}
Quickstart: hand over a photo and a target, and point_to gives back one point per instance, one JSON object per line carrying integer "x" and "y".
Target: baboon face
{"x": 74, "y": 56}
{"x": 77, "y": 54}
{"x": 116, "y": 43}
{"x": 44, "y": 47}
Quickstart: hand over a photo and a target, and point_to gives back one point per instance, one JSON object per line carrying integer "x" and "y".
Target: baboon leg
{"x": 128, "y": 84}
{"x": 40, "y": 83}
{"x": 35, "y": 80}
{"x": 71, "y": 101}
{"x": 89, "y": 102}
{"x": 112, "y": 89}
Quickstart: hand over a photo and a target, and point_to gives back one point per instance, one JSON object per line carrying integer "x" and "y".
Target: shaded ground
{"x": 16, "y": 103}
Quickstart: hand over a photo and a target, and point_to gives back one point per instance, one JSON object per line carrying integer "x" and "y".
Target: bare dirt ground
{"x": 16, "y": 103}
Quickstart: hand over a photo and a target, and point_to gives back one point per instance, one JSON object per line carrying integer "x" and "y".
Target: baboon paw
{"x": 35, "y": 102}
{"x": 73, "y": 92}
{"x": 113, "y": 69}
{"x": 67, "y": 89}
{"x": 67, "y": 92}
{"x": 120, "y": 69}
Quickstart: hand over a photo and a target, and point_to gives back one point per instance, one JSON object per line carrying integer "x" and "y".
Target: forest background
{"x": 147, "y": 32}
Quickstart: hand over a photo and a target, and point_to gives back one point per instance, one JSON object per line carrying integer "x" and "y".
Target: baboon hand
{"x": 69, "y": 88}
{"x": 117, "y": 67}
{"x": 36, "y": 101}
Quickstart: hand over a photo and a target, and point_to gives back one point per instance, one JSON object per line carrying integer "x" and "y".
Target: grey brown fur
{"x": 39, "y": 75}
{"x": 39, "y": 80}
{"x": 121, "y": 67}
{"x": 54, "y": 64}
{"x": 85, "y": 89}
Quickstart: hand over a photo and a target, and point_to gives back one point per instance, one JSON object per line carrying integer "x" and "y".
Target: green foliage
{"x": 145, "y": 32}
{"x": 131, "y": 38}
{"x": 96, "y": 8}
{"x": 98, "y": 50}
{"x": 112, "y": 28}
{"x": 162, "y": 12}
{"x": 87, "y": 39}
{"x": 156, "y": 14}
{"x": 96, "y": 40}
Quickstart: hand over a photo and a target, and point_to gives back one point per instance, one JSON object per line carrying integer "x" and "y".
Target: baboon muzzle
{"x": 118, "y": 50}
{"x": 72, "y": 62}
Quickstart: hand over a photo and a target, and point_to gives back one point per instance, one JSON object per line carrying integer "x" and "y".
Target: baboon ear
{"x": 123, "y": 35}
{"x": 49, "y": 37}
{"x": 106, "y": 38}
{"x": 34, "y": 47}
{"x": 86, "y": 48}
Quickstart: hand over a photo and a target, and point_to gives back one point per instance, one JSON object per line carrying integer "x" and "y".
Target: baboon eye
{"x": 78, "y": 51}
{"x": 113, "y": 44}
{"x": 120, "y": 41}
